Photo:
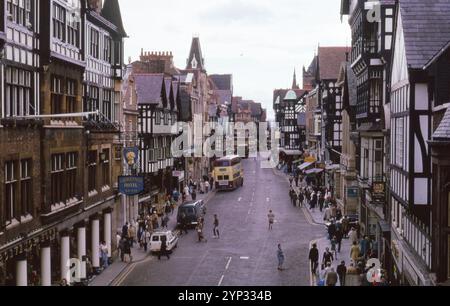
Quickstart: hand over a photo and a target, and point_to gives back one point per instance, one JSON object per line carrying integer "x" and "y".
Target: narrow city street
{"x": 246, "y": 253}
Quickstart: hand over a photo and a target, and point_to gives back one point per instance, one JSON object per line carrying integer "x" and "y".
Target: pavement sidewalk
{"x": 323, "y": 243}
{"x": 118, "y": 267}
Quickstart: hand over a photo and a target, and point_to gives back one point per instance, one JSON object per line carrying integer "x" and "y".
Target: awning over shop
{"x": 304, "y": 166}
{"x": 291, "y": 152}
{"x": 298, "y": 161}
{"x": 314, "y": 171}
{"x": 333, "y": 167}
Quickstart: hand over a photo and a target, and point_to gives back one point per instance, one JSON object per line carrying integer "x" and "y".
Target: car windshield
{"x": 189, "y": 210}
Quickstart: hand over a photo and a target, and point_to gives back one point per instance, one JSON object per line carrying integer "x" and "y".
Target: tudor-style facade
{"x": 418, "y": 175}
{"x": 69, "y": 158}
{"x": 158, "y": 101}
{"x": 370, "y": 62}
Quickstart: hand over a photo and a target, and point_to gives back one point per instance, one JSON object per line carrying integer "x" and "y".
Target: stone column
{"x": 107, "y": 228}
{"x": 21, "y": 271}
{"x": 81, "y": 240}
{"x": 95, "y": 242}
{"x": 65, "y": 256}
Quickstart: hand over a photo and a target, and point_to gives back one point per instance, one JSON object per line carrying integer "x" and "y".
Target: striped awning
{"x": 304, "y": 166}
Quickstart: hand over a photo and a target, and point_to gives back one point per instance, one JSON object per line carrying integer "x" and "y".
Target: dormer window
{"x": 194, "y": 63}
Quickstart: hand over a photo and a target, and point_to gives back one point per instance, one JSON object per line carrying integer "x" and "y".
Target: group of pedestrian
{"x": 193, "y": 187}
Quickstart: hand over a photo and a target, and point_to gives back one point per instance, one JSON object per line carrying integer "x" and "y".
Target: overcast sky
{"x": 260, "y": 42}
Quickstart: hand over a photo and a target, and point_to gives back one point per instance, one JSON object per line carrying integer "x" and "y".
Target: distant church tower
{"x": 294, "y": 82}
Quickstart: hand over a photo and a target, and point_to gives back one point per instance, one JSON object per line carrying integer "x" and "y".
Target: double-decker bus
{"x": 228, "y": 173}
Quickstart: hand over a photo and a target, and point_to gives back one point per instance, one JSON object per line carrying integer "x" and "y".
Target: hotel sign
{"x": 131, "y": 185}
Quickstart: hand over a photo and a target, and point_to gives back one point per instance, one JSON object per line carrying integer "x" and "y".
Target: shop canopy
{"x": 314, "y": 171}
{"x": 333, "y": 167}
{"x": 304, "y": 166}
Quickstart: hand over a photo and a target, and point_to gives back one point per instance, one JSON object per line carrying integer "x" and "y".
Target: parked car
{"x": 192, "y": 211}
{"x": 157, "y": 237}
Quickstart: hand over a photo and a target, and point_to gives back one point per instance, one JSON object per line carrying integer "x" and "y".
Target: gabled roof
{"x": 168, "y": 83}
{"x": 442, "y": 133}
{"x": 195, "y": 56}
{"x": 222, "y": 81}
{"x": 149, "y": 88}
{"x": 111, "y": 12}
{"x": 256, "y": 109}
{"x": 185, "y": 110}
{"x": 426, "y": 27}
{"x": 330, "y": 59}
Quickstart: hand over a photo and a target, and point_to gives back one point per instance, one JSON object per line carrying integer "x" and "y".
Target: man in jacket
{"x": 314, "y": 258}
{"x": 163, "y": 251}
{"x": 342, "y": 273}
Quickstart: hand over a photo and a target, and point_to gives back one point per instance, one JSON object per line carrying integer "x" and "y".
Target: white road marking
{"x": 228, "y": 264}
{"x": 240, "y": 199}
{"x": 268, "y": 199}
{"x": 221, "y": 281}
{"x": 245, "y": 258}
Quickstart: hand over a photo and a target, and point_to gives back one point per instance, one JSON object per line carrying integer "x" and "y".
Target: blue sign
{"x": 352, "y": 192}
{"x": 131, "y": 185}
{"x": 131, "y": 156}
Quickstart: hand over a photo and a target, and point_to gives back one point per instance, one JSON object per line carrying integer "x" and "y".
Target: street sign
{"x": 131, "y": 185}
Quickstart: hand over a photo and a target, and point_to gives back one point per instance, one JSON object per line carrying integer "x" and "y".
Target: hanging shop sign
{"x": 131, "y": 156}
{"x": 131, "y": 185}
{"x": 353, "y": 192}
{"x": 379, "y": 191}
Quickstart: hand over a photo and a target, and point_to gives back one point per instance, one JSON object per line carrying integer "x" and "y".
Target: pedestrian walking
{"x": 331, "y": 278}
{"x": 146, "y": 239}
{"x": 216, "y": 227}
{"x": 342, "y": 273}
{"x": 194, "y": 195}
{"x": 314, "y": 258}
{"x": 199, "y": 228}
{"x": 165, "y": 222}
{"x": 104, "y": 255}
{"x": 271, "y": 217}
{"x": 281, "y": 258}
{"x": 353, "y": 236}
{"x": 333, "y": 247}
{"x": 355, "y": 252}
{"x": 327, "y": 258}
{"x": 339, "y": 237}
{"x": 365, "y": 246}
{"x": 183, "y": 224}
{"x": 127, "y": 250}
{"x": 122, "y": 248}
{"x": 321, "y": 202}
{"x": 207, "y": 186}
{"x": 132, "y": 234}
{"x": 301, "y": 198}
{"x": 294, "y": 199}
{"x": 331, "y": 230}
{"x": 125, "y": 230}
{"x": 291, "y": 180}
{"x": 163, "y": 251}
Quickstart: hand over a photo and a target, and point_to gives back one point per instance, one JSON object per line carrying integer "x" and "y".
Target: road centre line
{"x": 221, "y": 281}
{"x": 228, "y": 263}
